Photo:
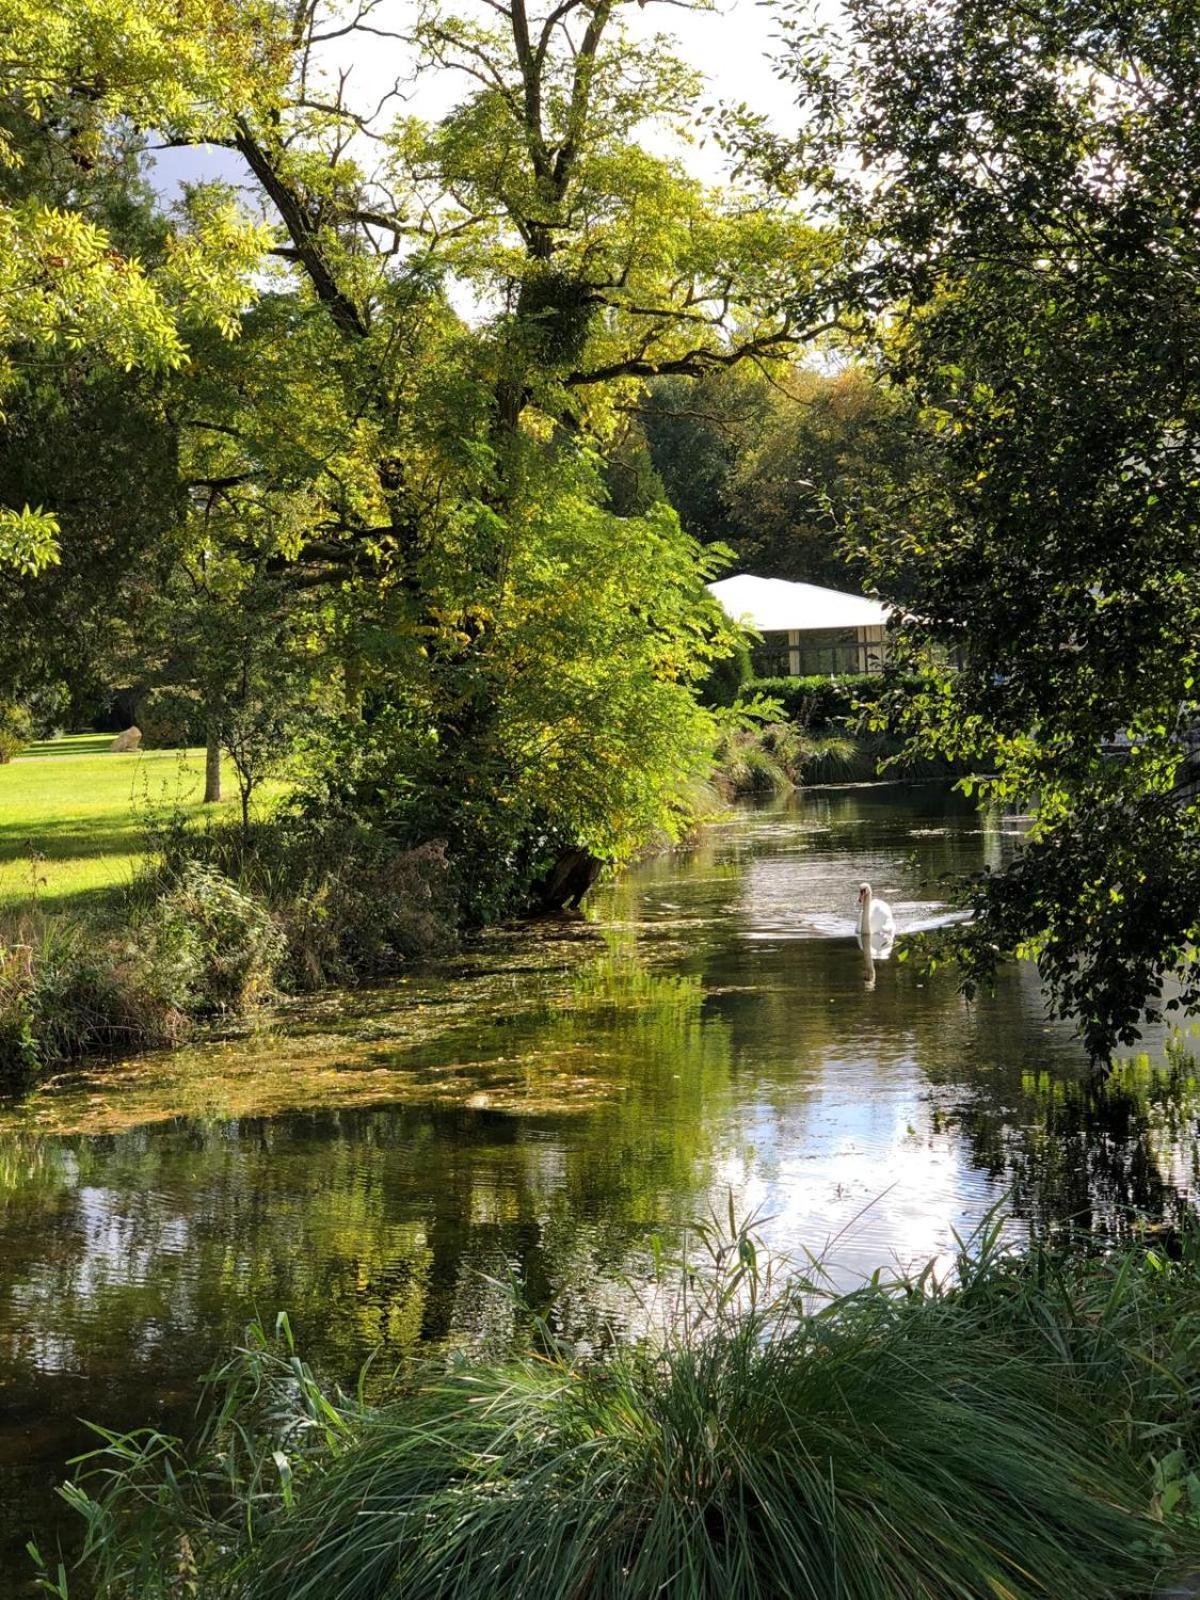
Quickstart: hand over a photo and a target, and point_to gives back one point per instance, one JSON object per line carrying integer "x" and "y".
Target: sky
{"x": 730, "y": 45}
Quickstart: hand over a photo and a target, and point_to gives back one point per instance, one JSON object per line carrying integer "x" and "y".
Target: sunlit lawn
{"x": 73, "y": 814}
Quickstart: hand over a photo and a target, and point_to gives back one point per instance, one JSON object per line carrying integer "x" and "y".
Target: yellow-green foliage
{"x": 63, "y": 283}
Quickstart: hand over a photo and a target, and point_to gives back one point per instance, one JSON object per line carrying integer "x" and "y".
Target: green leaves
{"x": 28, "y": 539}
{"x": 1010, "y": 178}
{"x": 78, "y": 75}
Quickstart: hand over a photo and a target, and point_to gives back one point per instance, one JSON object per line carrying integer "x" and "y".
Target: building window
{"x": 836, "y": 652}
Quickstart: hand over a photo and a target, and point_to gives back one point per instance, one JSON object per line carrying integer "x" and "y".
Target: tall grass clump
{"x": 906, "y": 1440}
{"x": 71, "y": 988}
{"x": 842, "y": 730}
{"x": 68, "y": 990}
{"x": 207, "y": 946}
{"x": 777, "y": 757}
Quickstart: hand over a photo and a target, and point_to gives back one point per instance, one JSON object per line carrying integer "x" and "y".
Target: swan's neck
{"x": 865, "y": 920}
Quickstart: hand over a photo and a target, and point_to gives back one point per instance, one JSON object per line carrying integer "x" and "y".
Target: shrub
{"x": 49, "y": 706}
{"x": 170, "y": 717}
{"x": 368, "y": 914}
{"x": 90, "y": 1001}
{"x": 16, "y": 729}
{"x": 213, "y": 927}
{"x": 903, "y": 1440}
{"x": 780, "y": 756}
{"x": 68, "y": 990}
{"x": 207, "y": 946}
{"x": 829, "y": 716}
{"x": 728, "y": 677}
{"x": 67, "y": 993}
{"x": 745, "y": 766}
{"x": 347, "y": 902}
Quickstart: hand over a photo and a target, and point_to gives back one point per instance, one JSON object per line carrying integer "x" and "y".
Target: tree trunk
{"x": 572, "y": 875}
{"x": 212, "y": 763}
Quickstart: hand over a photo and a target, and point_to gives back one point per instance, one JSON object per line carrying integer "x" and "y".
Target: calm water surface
{"x": 546, "y": 1106}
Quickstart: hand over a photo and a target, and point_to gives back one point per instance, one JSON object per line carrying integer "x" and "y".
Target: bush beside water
{"x": 219, "y": 923}
{"x": 349, "y": 903}
{"x": 67, "y": 992}
{"x": 767, "y": 760}
{"x": 1029, "y": 1432}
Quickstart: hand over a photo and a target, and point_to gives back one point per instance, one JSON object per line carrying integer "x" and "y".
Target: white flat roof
{"x": 773, "y": 605}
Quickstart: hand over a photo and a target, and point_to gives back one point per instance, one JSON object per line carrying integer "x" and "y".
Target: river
{"x": 545, "y": 1107}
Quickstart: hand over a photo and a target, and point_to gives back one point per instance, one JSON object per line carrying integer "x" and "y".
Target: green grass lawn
{"x": 73, "y": 814}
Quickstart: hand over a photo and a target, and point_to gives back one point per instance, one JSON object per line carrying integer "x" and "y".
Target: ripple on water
{"x": 548, "y": 1104}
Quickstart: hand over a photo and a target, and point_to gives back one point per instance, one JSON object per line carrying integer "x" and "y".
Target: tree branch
{"x": 295, "y": 218}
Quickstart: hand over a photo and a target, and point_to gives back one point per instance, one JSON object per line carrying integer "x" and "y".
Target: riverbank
{"x": 1017, "y": 1426}
{"x": 144, "y": 915}
{"x": 130, "y": 912}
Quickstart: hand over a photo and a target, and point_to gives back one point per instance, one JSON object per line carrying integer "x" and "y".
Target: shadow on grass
{"x": 102, "y": 905}
{"x": 84, "y": 744}
{"x": 71, "y": 838}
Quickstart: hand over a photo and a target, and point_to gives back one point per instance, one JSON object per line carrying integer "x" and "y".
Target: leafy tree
{"x": 511, "y": 643}
{"x": 783, "y": 468}
{"x": 101, "y": 449}
{"x": 834, "y": 455}
{"x": 233, "y": 664}
{"x": 1020, "y": 181}
{"x": 697, "y": 432}
{"x": 431, "y": 484}
{"x": 73, "y": 77}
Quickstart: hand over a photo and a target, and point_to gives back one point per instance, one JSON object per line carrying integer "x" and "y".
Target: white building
{"x": 806, "y": 629}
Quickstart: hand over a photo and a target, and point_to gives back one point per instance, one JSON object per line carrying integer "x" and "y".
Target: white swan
{"x": 876, "y": 924}
{"x": 875, "y": 946}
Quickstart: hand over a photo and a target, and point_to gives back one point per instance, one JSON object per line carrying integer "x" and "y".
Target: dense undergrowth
{"x": 219, "y": 920}
{"x": 825, "y": 730}
{"x": 1029, "y": 1430}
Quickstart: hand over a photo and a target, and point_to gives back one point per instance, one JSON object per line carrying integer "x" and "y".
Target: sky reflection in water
{"x": 545, "y": 1108}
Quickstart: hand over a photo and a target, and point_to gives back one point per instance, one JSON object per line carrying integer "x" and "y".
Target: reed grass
{"x": 1026, "y": 1431}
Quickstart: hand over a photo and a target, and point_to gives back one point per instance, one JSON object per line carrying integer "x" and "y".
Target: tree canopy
{"x": 779, "y": 464}
{"x": 1019, "y": 182}
{"x": 74, "y": 79}
{"x": 393, "y": 400}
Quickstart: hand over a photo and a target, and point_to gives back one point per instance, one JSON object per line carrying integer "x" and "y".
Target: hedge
{"x": 821, "y": 701}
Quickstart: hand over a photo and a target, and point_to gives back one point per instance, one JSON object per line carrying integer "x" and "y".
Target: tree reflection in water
{"x": 544, "y": 1112}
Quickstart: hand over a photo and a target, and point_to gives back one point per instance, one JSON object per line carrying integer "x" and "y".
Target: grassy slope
{"x": 84, "y": 809}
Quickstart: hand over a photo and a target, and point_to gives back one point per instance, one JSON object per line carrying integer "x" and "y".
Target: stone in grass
{"x": 129, "y": 740}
